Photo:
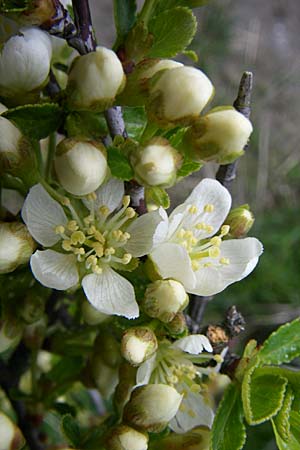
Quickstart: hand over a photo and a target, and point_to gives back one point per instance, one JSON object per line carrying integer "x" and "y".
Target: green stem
{"x": 60, "y": 198}
{"x": 51, "y": 154}
{"x": 38, "y": 155}
{"x": 147, "y": 10}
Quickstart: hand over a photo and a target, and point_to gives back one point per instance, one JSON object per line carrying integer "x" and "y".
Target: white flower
{"x": 190, "y": 251}
{"x": 90, "y": 244}
{"x": 173, "y": 364}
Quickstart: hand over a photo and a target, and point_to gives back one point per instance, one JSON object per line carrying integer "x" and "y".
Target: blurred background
{"x": 263, "y": 37}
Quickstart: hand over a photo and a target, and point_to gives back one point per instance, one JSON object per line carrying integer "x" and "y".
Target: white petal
{"x": 12, "y": 200}
{"x": 194, "y": 412}
{"x": 142, "y": 231}
{"x": 172, "y": 261}
{"x": 145, "y": 370}
{"x": 109, "y": 194}
{"x": 54, "y": 270}
{"x": 193, "y": 344}
{"x": 111, "y": 294}
{"x": 42, "y": 214}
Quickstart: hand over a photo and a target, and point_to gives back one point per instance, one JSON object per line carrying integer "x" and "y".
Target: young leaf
{"x": 86, "y": 123}
{"x": 162, "y": 5}
{"x": 71, "y": 430}
{"x": 228, "y": 431}
{"x": 282, "y": 346}
{"x": 282, "y": 420}
{"x": 36, "y": 121}
{"x": 136, "y": 120}
{"x": 188, "y": 167}
{"x": 119, "y": 164}
{"x": 293, "y": 442}
{"x": 172, "y": 30}
{"x": 158, "y": 196}
{"x": 124, "y": 14}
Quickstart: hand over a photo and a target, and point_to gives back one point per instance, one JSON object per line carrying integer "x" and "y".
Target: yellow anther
{"x": 218, "y": 358}
{"x": 193, "y": 241}
{"x": 216, "y": 240}
{"x": 195, "y": 265}
{"x": 98, "y": 249}
{"x": 208, "y": 264}
{"x": 181, "y": 233}
{"x": 92, "y": 196}
{"x": 72, "y": 225}
{"x": 77, "y": 237}
{"x": 66, "y": 245}
{"x": 130, "y": 213}
{"x": 126, "y": 201}
{"x": 60, "y": 229}
{"x": 193, "y": 209}
{"x": 201, "y": 226}
{"x": 88, "y": 219}
{"x": 92, "y": 260}
{"x": 225, "y": 261}
{"x": 195, "y": 388}
{"x": 214, "y": 252}
{"x": 182, "y": 407}
{"x": 125, "y": 236}
{"x": 91, "y": 230}
{"x": 188, "y": 234}
{"x": 104, "y": 210}
{"x": 225, "y": 230}
{"x": 192, "y": 413}
{"x": 209, "y": 208}
{"x": 117, "y": 235}
{"x": 109, "y": 251}
{"x": 96, "y": 269}
{"x": 209, "y": 228}
{"x": 126, "y": 258}
{"x": 79, "y": 251}
{"x": 66, "y": 201}
{"x": 99, "y": 236}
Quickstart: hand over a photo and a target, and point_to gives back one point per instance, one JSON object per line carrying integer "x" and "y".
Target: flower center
{"x": 98, "y": 238}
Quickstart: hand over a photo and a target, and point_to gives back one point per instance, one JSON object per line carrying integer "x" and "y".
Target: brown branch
{"x": 85, "y": 40}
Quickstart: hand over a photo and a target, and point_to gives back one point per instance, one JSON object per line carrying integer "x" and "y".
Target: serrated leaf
{"x": 119, "y": 164}
{"x": 191, "y": 54}
{"x": 158, "y": 196}
{"x": 71, "y": 430}
{"x": 292, "y": 444}
{"x": 125, "y": 17}
{"x": 87, "y": 124}
{"x": 282, "y": 420}
{"x": 282, "y": 346}
{"x": 228, "y": 431}
{"x": 136, "y": 120}
{"x": 188, "y": 167}
{"x": 36, "y": 121}
{"x": 263, "y": 397}
{"x": 172, "y": 30}
{"x": 162, "y": 5}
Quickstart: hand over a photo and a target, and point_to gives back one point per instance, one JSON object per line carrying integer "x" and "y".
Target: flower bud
{"x": 33, "y": 306}
{"x": 178, "y": 325}
{"x": 92, "y": 316}
{"x": 11, "y": 436}
{"x": 219, "y": 136}
{"x": 94, "y": 80}
{"x": 16, "y": 246}
{"x": 138, "y": 344}
{"x": 152, "y": 406}
{"x": 80, "y": 166}
{"x": 178, "y": 96}
{"x": 24, "y": 63}
{"x": 10, "y": 334}
{"x": 124, "y": 437}
{"x": 164, "y": 299}
{"x": 156, "y": 163}
{"x": 240, "y": 221}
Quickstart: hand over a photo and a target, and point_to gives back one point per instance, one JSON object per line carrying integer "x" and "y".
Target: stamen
{"x": 88, "y": 219}
{"x": 195, "y": 265}
{"x": 77, "y": 237}
{"x": 126, "y": 201}
{"x": 97, "y": 270}
{"x": 208, "y": 208}
{"x": 67, "y": 245}
{"x": 60, "y": 229}
{"x": 126, "y": 258}
{"x": 109, "y": 251}
{"x": 91, "y": 196}
{"x": 193, "y": 209}
{"x": 216, "y": 240}
{"x": 214, "y": 252}
{"x": 225, "y": 261}
{"x": 225, "y": 230}
{"x": 130, "y": 213}
{"x": 72, "y": 225}
{"x": 98, "y": 249}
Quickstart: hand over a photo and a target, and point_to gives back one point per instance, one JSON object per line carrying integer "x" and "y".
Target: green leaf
{"x": 228, "y": 431}
{"x": 87, "y": 124}
{"x": 12, "y": 6}
{"x": 162, "y": 5}
{"x": 68, "y": 368}
{"x": 282, "y": 346}
{"x": 158, "y": 196}
{"x": 293, "y": 443}
{"x": 172, "y": 30}
{"x": 71, "y": 430}
{"x": 36, "y": 121}
{"x": 263, "y": 397}
{"x": 136, "y": 120}
{"x": 119, "y": 164}
{"x": 282, "y": 419}
{"x": 125, "y": 17}
{"x": 188, "y": 167}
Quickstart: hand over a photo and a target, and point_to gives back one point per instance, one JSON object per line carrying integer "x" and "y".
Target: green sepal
{"x": 228, "y": 431}
{"x": 125, "y": 17}
{"x": 191, "y": 54}
{"x": 36, "y": 121}
{"x": 119, "y": 164}
{"x": 86, "y": 124}
{"x": 157, "y": 196}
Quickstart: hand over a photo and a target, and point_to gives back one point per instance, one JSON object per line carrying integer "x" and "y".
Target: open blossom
{"x": 192, "y": 249}
{"x": 90, "y": 243}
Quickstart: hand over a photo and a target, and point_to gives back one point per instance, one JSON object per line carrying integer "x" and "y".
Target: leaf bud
{"x": 177, "y": 96}
{"x": 219, "y": 136}
{"x": 164, "y": 299}
{"x": 178, "y": 325}
{"x": 24, "y": 64}
{"x": 240, "y": 221}
{"x": 124, "y": 437}
{"x": 152, "y": 406}
{"x": 138, "y": 344}
{"x": 94, "y": 80}
{"x": 156, "y": 163}
{"x": 11, "y": 436}
{"x": 80, "y": 166}
{"x": 16, "y": 246}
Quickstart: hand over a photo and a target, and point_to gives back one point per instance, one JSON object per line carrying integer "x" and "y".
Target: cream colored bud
{"x": 81, "y": 166}
{"x": 178, "y": 325}
{"x": 240, "y": 221}
{"x": 16, "y": 246}
{"x": 150, "y": 67}
{"x": 124, "y": 437}
{"x": 10, "y": 145}
{"x": 11, "y": 437}
{"x": 179, "y": 95}
{"x": 156, "y": 163}
{"x": 219, "y": 136}
{"x": 138, "y": 344}
{"x": 164, "y": 299}
{"x": 94, "y": 80}
{"x": 152, "y": 406}
{"x": 25, "y": 62}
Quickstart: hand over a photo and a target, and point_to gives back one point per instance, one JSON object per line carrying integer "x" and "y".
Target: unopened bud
{"x": 124, "y": 437}
{"x": 164, "y": 299}
{"x": 33, "y": 307}
{"x": 219, "y": 136}
{"x": 94, "y": 80}
{"x": 152, "y": 406}
{"x": 178, "y": 325}
{"x": 240, "y": 221}
{"x": 138, "y": 344}
{"x": 156, "y": 163}
{"x": 11, "y": 436}
{"x": 178, "y": 96}
{"x": 10, "y": 334}
{"x": 92, "y": 316}
{"x": 81, "y": 166}
{"x": 16, "y": 246}
{"x": 24, "y": 63}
